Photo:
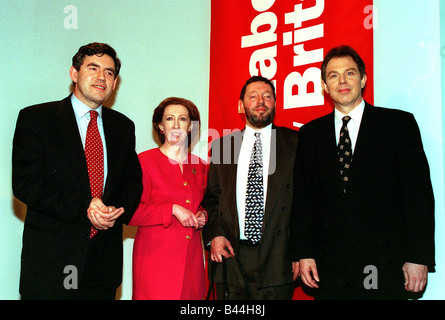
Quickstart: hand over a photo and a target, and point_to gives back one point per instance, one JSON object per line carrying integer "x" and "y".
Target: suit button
{"x": 186, "y": 184}
{"x": 187, "y": 237}
{"x": 187, "y": 201}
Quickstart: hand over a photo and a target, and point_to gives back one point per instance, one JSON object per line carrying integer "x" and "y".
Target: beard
{"x": 260, "y": 120}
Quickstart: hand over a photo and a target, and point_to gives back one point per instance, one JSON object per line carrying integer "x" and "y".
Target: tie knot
{"x": 257, "y": 135}
{"x": 346, "y": 120}
{"x": 93, "y": 114}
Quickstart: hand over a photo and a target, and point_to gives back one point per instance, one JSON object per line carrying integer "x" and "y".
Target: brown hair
{"x": 256, "y": 79}
{"x": 343, "y": 51}
{"x": 159, "y": 113}
{"x": 98, "y": 49}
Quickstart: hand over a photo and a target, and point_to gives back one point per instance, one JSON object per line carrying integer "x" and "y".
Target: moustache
{"x": 261, "y": 106}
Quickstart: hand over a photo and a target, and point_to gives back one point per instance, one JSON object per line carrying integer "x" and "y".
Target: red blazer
{"x": 162, "y": 245}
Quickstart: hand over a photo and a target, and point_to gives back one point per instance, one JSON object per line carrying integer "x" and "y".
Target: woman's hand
{"x": 185, "y": 217}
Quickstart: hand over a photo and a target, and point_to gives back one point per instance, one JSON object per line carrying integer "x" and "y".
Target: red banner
{"x": 285, "y": 41}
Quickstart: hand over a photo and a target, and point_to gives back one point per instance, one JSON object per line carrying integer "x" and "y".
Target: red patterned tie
{"x": 94, "y": 154}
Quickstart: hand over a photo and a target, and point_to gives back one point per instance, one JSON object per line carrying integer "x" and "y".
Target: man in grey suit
{"x": 251, "y": 232}
{"x": 363, "y": 223}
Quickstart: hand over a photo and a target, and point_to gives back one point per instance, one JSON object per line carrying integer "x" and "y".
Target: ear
{"x": 325, "y": 87}
{"x": 73, "y": 74}
{"x": 363, "y": 81}
{"x": 190, "y": 127}
{"x": 115, "y": 82}
{"x": 241, "y": 106}
{"x": 161, "y": 127}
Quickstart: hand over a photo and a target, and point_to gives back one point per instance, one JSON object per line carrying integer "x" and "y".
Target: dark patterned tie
{"x": 255, "y": 193}
{"x": 94, "y": 154}
{"x": 344, "y": 151}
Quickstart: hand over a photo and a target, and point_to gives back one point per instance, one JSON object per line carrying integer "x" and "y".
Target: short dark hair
{"x": 256, "y": 79}
{"x": 96, "y": 48}
{"x": 343, "y": 51}
{"x": 159, "y": 113}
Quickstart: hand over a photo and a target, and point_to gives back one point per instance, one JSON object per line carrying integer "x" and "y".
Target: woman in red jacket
{"x": 168, "y": 261}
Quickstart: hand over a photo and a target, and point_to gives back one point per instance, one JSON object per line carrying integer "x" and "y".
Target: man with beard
{"x": 249, "y": 200}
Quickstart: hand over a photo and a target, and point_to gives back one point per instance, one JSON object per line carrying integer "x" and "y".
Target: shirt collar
{"x": 81, "y": 109}
{"x": 356, "y": 114}
{"x": 265, "y": 132}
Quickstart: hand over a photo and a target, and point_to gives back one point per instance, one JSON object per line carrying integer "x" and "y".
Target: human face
{"x": 343, "y": 83}
{"x": 175, "y": 124}
{"x": 95, "y": 80}
{"x": 258, "y": 104}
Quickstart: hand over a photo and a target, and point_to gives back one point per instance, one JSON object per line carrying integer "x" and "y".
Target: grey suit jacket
{"x": 220, "y": 202}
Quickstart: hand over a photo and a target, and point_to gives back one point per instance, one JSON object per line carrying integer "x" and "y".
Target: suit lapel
{"x": 279, "y": 162}
{"x": 365, "y": 141}
{"x": 111, "y": 138}
{"x": 329, "y": 144}
{"x": 326, "y": 142}
{"x": 230, "y": 167}
{"x": 277, "y": 165}
{"x": 71, "y": 141}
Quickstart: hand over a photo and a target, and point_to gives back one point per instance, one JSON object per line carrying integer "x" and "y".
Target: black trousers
{"x": 94, "y": 283}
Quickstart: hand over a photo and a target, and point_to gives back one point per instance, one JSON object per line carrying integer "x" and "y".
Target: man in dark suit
{"x": 257, "y": 261}
{"x": 72, "y": 239}
{"x": 363, "y": 222}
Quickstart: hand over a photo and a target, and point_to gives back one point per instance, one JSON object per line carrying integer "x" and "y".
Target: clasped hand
{"x": 187, "y": 218}
{"x": 102, "y": 217}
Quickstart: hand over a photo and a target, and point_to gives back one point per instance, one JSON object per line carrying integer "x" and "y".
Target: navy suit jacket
{"x": 386, "y": 217}
{"x": 50, "y": 176}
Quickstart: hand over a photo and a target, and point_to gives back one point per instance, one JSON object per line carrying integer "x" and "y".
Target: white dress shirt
{"x": 82, "y": 114}
{"x": 243, "y": 169}
{"x": 353, "y": 125}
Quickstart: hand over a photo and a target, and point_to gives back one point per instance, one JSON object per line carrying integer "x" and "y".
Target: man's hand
{"x": 416, "y": 276}
{"x": 295, "y": 269}
{"x": 101, "y": 216}
{"x": 221, "y": 247}
{"x": 309, "y": 273}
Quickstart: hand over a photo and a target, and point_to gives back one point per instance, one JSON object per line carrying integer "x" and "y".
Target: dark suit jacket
{"x": 385, "y": 218}
{"x": 50, "y": 175}
{"x": 220, "y": 201}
